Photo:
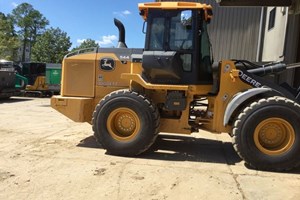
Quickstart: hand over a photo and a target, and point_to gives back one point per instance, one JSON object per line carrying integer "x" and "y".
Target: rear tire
{"x": 125, "y": 123}
{"x": 266, "y": 134}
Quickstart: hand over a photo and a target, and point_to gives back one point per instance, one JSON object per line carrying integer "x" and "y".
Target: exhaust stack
{"x": 120, "y": 26}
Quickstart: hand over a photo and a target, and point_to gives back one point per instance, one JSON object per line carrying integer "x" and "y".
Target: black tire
{"x": 125, "y": 123}
{"x": 266, "y": 134}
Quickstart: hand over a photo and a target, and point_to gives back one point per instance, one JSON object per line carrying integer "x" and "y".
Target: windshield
{"x": 181, "y": 33}
{"x": 157, "y": 34}
{"x": 169, "y": 33}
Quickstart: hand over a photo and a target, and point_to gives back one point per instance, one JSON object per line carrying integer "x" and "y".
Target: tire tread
{"x": 153, "y": 110}
{"x": 237, "y": 126}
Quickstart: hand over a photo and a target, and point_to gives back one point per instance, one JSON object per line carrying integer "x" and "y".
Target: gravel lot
{"x": 44, "y": 155}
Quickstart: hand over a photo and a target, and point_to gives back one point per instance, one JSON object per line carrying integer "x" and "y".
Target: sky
{"x": 89, "y": 19}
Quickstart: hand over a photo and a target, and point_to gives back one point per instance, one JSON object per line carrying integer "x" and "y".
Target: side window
{"x": 157, "y": 34}
{"x": 181, "y": 37}
{"x": 272, "y": 18}
{"x": 181, "y": 31}
{"x": 206, "y": 58}
{"x": 205, "y": 42}
{"x": 173, "y": 31}
{"x": 186, "y": 62}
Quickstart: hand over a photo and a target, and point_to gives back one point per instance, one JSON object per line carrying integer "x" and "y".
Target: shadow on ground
{"x": 46, "y": 106}
{"x": 183, "y": 148}
{"x": 89, "y": 142}
{"x": 187, "y": 148}
{"x": 14, "y": 100}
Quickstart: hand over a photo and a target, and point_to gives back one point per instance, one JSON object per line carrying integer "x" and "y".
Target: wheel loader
{"x": 172, "y": 85}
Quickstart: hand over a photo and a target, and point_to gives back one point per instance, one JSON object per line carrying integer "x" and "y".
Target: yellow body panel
{"x": 229, "y": 87}
{"x": 112, "y": 78}
{"x": 78, "y": 109}
{"x": 78, "y": 74}
{"x": 176, "y": 125}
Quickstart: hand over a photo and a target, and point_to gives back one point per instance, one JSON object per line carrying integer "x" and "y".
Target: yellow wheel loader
{"x": 172, "y": 85}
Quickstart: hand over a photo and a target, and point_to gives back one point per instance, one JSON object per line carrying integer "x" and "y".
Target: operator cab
{"x": 177, "y": 47}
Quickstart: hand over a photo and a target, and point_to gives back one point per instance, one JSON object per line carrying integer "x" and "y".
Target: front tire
{"x": 125, "y": 123}
{"x": 266, "y": 134}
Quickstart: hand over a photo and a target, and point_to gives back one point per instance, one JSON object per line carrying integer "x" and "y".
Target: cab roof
{"x": 144, "y": 7}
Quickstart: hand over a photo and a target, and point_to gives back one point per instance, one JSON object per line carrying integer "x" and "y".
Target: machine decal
{"x": 101, "y": 83}
{"x": 124, "y": 57}
{"x": 100, "y": 77}
{"x": 107, "y": 64}
{"x": 249, "y": 80}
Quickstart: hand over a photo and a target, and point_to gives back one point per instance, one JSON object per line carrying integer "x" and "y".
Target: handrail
{"x": 82, "y": 51}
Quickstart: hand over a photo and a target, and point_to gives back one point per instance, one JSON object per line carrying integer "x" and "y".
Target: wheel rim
{"x": 123, "y": 124}
{"x": 274, "y": 136}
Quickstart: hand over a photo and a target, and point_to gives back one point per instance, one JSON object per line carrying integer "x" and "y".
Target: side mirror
{"x": 144, "y": 27}
{"x": 186, "y": 18}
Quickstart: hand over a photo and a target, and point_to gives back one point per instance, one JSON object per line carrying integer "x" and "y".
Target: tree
{"x": 51, "y": 46}
{"x": 9, "y": 42}
{"x": 31, "y": 23}
{"x": 88, "y": 43}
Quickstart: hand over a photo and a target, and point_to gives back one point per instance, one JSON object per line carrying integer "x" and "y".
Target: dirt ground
{"x": 44, "y": 155}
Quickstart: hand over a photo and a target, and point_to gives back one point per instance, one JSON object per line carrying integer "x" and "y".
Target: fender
{"x": 239, "y": 99}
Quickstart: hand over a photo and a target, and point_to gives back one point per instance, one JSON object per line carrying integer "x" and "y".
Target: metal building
{"x": 235, "y": 32}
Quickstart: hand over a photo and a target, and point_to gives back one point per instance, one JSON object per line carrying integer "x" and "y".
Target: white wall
{"x": 274, "y": 40}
